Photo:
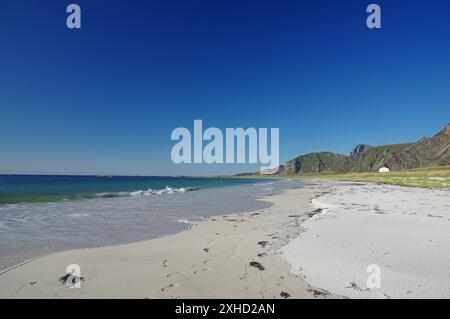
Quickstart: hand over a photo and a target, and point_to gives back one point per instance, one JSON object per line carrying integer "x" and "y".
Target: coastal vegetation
{"x": 438, "y": 177}
{"x": 425, "y": 163}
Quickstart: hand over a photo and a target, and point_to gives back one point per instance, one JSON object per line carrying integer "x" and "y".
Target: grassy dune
{"x": 438, "y": 177}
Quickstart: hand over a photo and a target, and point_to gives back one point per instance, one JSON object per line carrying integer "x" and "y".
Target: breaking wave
{"x": 148, "y": 192}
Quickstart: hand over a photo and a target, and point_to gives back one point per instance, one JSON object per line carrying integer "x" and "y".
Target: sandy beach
{"x": 233, "y": 256}
{"x": 401, "y": 231}
{"x": 314, "y": 241}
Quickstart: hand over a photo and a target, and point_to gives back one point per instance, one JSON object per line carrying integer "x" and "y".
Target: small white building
{"x": 383, "y": 170}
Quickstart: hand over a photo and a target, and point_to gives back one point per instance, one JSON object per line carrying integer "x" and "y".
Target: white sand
{"x": 405, "y": 231}
{"x": 212, "y": 260}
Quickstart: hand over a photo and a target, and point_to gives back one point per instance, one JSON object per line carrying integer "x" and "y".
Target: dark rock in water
{"x": 257, "y": 265}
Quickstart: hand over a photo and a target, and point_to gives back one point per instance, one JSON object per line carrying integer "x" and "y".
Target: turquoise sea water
{"x": 44, "y": 214}
{"x": 47, "y": 188}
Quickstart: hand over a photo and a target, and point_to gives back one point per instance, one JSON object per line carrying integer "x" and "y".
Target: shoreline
{"x": 323, "y": 234}
{"x": 227, "y": 256}
{"x": 32, "y": 230}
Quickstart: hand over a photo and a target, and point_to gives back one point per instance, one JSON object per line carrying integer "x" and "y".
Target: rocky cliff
{"x": 428, "y": 152}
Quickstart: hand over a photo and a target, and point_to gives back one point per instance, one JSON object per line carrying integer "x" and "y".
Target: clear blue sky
{"x": 104, "y": 99}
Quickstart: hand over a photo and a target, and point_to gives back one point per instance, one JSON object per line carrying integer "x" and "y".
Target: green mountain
{"x": 428, "y": 152}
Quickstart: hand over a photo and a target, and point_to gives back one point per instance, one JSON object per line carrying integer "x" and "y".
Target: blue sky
{"x": 104, "y": 99}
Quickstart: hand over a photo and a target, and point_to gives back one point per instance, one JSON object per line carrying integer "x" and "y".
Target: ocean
{"x": 51, "y": 188}
{"x": 44, "y": 214}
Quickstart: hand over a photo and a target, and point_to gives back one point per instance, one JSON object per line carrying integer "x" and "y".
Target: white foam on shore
{"x": 148, "y": 192}
{"x": 405, "y": 231}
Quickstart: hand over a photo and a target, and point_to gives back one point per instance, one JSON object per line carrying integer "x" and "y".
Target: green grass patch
{"x": 437, "y": 177}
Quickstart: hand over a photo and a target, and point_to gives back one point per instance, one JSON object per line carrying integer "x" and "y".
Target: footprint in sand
{"x": 257, "y": 265}
{"x": 263, "y": 243}
{"x": 173, "y": 274}
{"x": 202, "y": 270}
{"x": 284, "y": 295}
{"x": 169, "y": 287}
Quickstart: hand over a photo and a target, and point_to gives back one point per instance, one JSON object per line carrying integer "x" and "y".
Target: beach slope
{"x": 234, "y": 256}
